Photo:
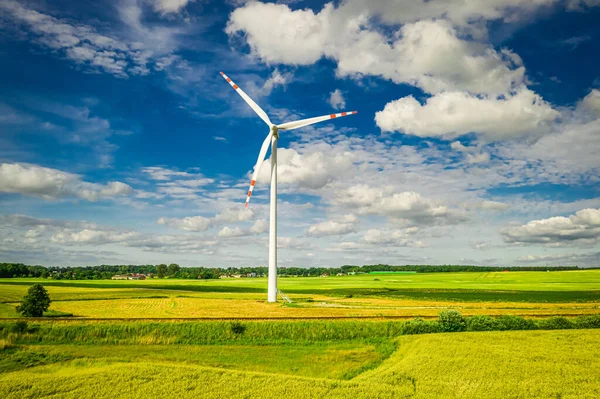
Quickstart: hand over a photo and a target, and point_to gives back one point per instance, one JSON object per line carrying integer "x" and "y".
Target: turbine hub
{"x": 275, "y": 131}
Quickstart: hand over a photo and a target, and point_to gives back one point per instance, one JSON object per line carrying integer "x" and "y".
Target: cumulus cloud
{"x": 591, "y": 103}
{"x": 453, "y": 114}
{"x": 259, "y": 227}
{"x": 311, "y": 169}
{"x": 347, "y": 224}
{"x": 201, "y": 223}
{"x": 581, "y": 228}
{"x": 399, "y": 238}
{"x": 426, "y": 53}
{"x": 408, "y": 206}
{"x": 52, "y": 184}
{"x": 336, "y": 99}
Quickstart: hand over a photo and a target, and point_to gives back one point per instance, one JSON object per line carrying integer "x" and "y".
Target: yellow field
{"x": 492, "y": 365}
{"x": 174, "y": 307}
{"x": 164, "y": 303}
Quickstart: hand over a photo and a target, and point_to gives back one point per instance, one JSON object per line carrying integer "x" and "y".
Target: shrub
{"x": 481, "y": 323}
{"x": 20, "y": 327}
{"x": 588, "y": 321}
{"x": 508, "y": 322}
{"x": 420, "y": 326}
{"x": 556, "y": 323}
{"x": 451, "y": 321}
{"x": 237, "y": 328}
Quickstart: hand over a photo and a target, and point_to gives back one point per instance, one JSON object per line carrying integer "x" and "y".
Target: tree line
{"x": 173, "y": 270}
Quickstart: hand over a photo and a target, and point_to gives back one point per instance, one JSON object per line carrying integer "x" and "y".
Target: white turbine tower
{"x": 272, "y": 139}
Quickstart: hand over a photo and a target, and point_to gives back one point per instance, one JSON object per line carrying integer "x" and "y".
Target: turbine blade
{"x": 263, "y": 115}
{"x": 310, "y": 121}
{"x": 261, "y": 158}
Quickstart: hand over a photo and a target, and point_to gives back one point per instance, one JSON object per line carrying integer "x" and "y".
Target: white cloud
{"x": 408, "y": 206}
{"x": 591, "y": 103}
{"x": 582, "y": 259}
{"x": 483, "y": 157}
{"x": 312, "y": 169}
{"x": 51, "y": 184}
{"x": 348, "y": 224}
{"x": 428, "y": 54}
{"x": 494, "y": 205}
{"x": 219, "y": 138}
{"x": 227, "y": 232}
{"x": 458, "y": 11}
{"x": 160, "y": 173}
{"x": 479, "y": 245}
{"x": 190, "y": 223}
{"x": 336, "y": 99}
{"x": 259, "y": 227}
{"x": 201, "y": 223}
{"x": 80, "y": 43}
{"x": 400, "y": 238}
{"x": 453, "y": 114}
{"x": 169, "y": 6}
{"x": 581, "y": 228}
{"x": 275, "y": 80}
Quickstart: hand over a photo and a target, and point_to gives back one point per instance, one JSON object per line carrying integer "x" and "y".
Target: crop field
{"x": 134, "y": 339}
{"x": 567, "y": 293}
{"x": 515, "y": 364}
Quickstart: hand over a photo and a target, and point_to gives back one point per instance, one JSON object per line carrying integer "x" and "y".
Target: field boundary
{"x": 284, "y": 318}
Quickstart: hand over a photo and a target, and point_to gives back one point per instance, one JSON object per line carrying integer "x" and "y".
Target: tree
{"x": 161, "y": 270}
{"x": 35, "y": 303}
{"x": 173, "y": 269}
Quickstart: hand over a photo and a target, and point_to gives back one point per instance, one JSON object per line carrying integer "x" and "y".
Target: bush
{"x": 20, "y": 327}
{"x": 451, "y": 321}
{"x": 481, "y": 323}
{"x": 588, "y": 322}
{"x": 555, "y": 323}
{"x": 420, "y": 326}
{"x": 35, "y": 303}
{"x": 237, "y": 328}
{"x": 508, "y": 322}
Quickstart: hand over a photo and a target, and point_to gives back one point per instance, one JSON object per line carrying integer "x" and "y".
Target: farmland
{"x": 134, "y": 339}
{"x": 568, "y": 293}
{"x": 526, "y": 364}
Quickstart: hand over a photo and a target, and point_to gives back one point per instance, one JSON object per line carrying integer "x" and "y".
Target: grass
{"x": 515, "y": 364}
{"x": 337, "y": 361}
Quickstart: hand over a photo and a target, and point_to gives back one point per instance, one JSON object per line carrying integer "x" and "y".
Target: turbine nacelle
{"x": 274, "y": 131}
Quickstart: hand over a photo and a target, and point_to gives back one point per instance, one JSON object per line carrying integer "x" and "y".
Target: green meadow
{"x": 507, "y": 364}
{"x": 524, "y": 335}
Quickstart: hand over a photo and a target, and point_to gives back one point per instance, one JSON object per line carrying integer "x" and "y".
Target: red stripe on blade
{"x": 252, "y": 183}
{"x": 332, "y": 116}
{"x": 235, "y": 86}
{"x": 344, "y": 114}
{"x": 249, "y": 193}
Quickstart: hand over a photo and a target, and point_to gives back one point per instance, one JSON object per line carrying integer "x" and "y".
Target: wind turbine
{"x": 272, "y": 139}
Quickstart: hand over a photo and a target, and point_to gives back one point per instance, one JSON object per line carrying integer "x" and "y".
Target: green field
{"x": 516, "y": 364}
{"x": 92, "y": 355}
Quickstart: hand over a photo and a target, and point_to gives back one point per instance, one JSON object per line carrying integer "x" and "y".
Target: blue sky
{"x": 477, "y": 139}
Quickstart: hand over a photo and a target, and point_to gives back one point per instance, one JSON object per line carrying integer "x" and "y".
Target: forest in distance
{"x": 99, "y": 272}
